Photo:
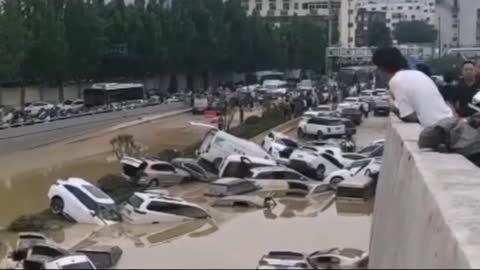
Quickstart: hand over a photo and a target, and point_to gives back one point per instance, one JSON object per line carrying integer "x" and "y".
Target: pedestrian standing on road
{"x": 414, "y": 96}
{"x": 467, "y": 87}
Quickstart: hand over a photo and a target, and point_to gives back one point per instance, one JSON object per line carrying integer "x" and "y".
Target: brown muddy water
{"x": 233, "y": 239}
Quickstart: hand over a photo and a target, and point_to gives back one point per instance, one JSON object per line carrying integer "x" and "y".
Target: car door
{"x": 312, "y": 126}
{"x": 166, "y": 173}
{"x": 160, "y": 212}
{"x": 196, "y": 172}
{"x": 79, "y": 205}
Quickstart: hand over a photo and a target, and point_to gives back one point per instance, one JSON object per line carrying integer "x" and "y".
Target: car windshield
{"x": 322, "y": 109}
{"x": 67, "y": 102}
{"x": 96, "y": 192}
{"x": 288, "y": 142}
{"x": 135, "y": 201}
{"x": 109, "y": 212}
{"x": 350, "y": 100}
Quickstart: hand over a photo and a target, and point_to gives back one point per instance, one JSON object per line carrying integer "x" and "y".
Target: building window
{"x": 296, "y": 5}
{"x": 305, "y": 6}
{"x": 413, "y": 17}
{"x": 350, "y": 25}
{"x": 418, "y": 7}
{"x": 258, "y": 6}
{"x": 454, "y": 25}
{"x": 374, "y": 9}
{"x": 384, "y": 8}
{"x": 399, "y": 7}
{"x": 272, "y": 6}
{"x": 350, "y": 39}
{"x": 410, "y": 7}
{"x": 286, "y": 6}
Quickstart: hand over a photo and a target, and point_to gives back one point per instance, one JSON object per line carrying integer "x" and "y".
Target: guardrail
{"x": 81, "y": 114}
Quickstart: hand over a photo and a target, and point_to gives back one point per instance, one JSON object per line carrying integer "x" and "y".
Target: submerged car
{"x": 363, "y": 167}
{"x": 335, "y": 258}
{"x": 82, "y": 202}
{"x": 279, "y": 145}
{"x": 247, "y": 201}
{"x": 103, "y": 257}
{"x": 277, "y": 173}
{"x": 148, "y": 208}
{"x": 313, "y": 163}
{"x": 195, "y": 168}
{"x": 39, "y": 255}
{"x": 152, "y": 172}
{"x": 231, "y": 186}
{"x": 75, "y": 261}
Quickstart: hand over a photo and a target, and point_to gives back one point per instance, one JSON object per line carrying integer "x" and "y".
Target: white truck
{"x": 321, "y": 127}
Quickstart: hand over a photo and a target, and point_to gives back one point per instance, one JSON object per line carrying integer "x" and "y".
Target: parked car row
{"x": 38, "y": 112}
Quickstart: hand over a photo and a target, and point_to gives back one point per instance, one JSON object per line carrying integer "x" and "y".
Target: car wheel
{"x": 320, "y": 171}
{"x": 300, "y": 133}
{"x": 154, "y": 183}
{"x": 319, "y": 135}
{"x": 57, "y": 205}
{"x": 335, "y": 181}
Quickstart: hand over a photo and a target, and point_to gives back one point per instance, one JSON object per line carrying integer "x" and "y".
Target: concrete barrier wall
{"x": 427, "y": 207}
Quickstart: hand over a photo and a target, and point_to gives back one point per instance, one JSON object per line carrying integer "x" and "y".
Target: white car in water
{"x": 313, "y": 163}
{"x": 75, "y": 261}
{"x": 149, "y": 208}
{"x": 335, "y": 258}
{"x": 279, "y": 145}
{"x": 82, "y": 202}
{"x": 321, "y": 127}
{"x": 152, "y": 172}
{"x": 363, "y": 167}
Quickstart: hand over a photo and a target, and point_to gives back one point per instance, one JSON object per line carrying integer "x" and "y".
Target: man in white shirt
{"x": 415, "y": 96}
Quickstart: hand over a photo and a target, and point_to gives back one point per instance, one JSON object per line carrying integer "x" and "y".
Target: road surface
{"x": 28, "y": 137}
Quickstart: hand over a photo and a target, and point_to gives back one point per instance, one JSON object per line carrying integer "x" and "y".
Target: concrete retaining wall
{"x": 427, "y": 207}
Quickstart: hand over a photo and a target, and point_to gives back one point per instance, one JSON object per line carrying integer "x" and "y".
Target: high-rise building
{"x": 356, "y": 14}
{"x": 458, "y": 22}
{"x": 288, "y": 8}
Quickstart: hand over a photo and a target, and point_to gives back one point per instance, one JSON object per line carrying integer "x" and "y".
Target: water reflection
{"x": 354, "y": 208}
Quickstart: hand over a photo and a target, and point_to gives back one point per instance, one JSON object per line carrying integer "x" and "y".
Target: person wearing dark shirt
{"x": 466, "y": 89}
{"x": 448, "y": 90}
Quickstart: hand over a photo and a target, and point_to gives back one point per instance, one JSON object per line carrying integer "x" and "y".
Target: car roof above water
{"x": 229, "y": 181}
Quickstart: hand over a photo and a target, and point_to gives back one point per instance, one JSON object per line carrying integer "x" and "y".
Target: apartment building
{"x": 287, "y": 8}
{"x": 458, "y": 22}
{"x": 356, "y": 15}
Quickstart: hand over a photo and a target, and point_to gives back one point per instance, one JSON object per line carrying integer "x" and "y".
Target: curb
{"x": 284, "y": 127}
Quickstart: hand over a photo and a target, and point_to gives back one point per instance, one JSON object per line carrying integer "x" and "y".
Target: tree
{"x": 14, "y": 45}
{"x": 84, "y": 37}
{"x": 379, "y": 35}
{"x": 415, "y": 32}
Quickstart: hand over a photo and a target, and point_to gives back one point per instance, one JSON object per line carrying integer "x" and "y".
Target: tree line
{"x": 62, "y": 40}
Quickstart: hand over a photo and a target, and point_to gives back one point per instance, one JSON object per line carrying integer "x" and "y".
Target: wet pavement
{"x": 233, "y": 239}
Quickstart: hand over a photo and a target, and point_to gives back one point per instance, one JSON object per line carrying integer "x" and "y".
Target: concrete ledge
{"x": 427, "y": 206}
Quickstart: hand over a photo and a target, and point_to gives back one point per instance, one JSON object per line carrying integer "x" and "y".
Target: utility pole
{"x": 329, "y": 37}
{"x": 329, "y": 23}
{"x": 439, "y": 37}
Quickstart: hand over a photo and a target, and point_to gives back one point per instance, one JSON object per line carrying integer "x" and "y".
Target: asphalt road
{"x": 28, "y": 137}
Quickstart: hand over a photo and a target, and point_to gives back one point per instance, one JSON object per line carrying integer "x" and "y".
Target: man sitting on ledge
{"x": 414, "y": 96}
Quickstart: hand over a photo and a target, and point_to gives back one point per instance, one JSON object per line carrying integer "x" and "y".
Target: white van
{"x": 217, "y": 145}
{"x": 239, "y": 165}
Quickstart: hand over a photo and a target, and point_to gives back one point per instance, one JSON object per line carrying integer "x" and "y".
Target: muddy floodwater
{"x": 234, "y": 238}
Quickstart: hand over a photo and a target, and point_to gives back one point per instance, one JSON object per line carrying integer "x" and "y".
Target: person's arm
{"x": 411, "y": 118}
{"x": 400, "y": 105}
